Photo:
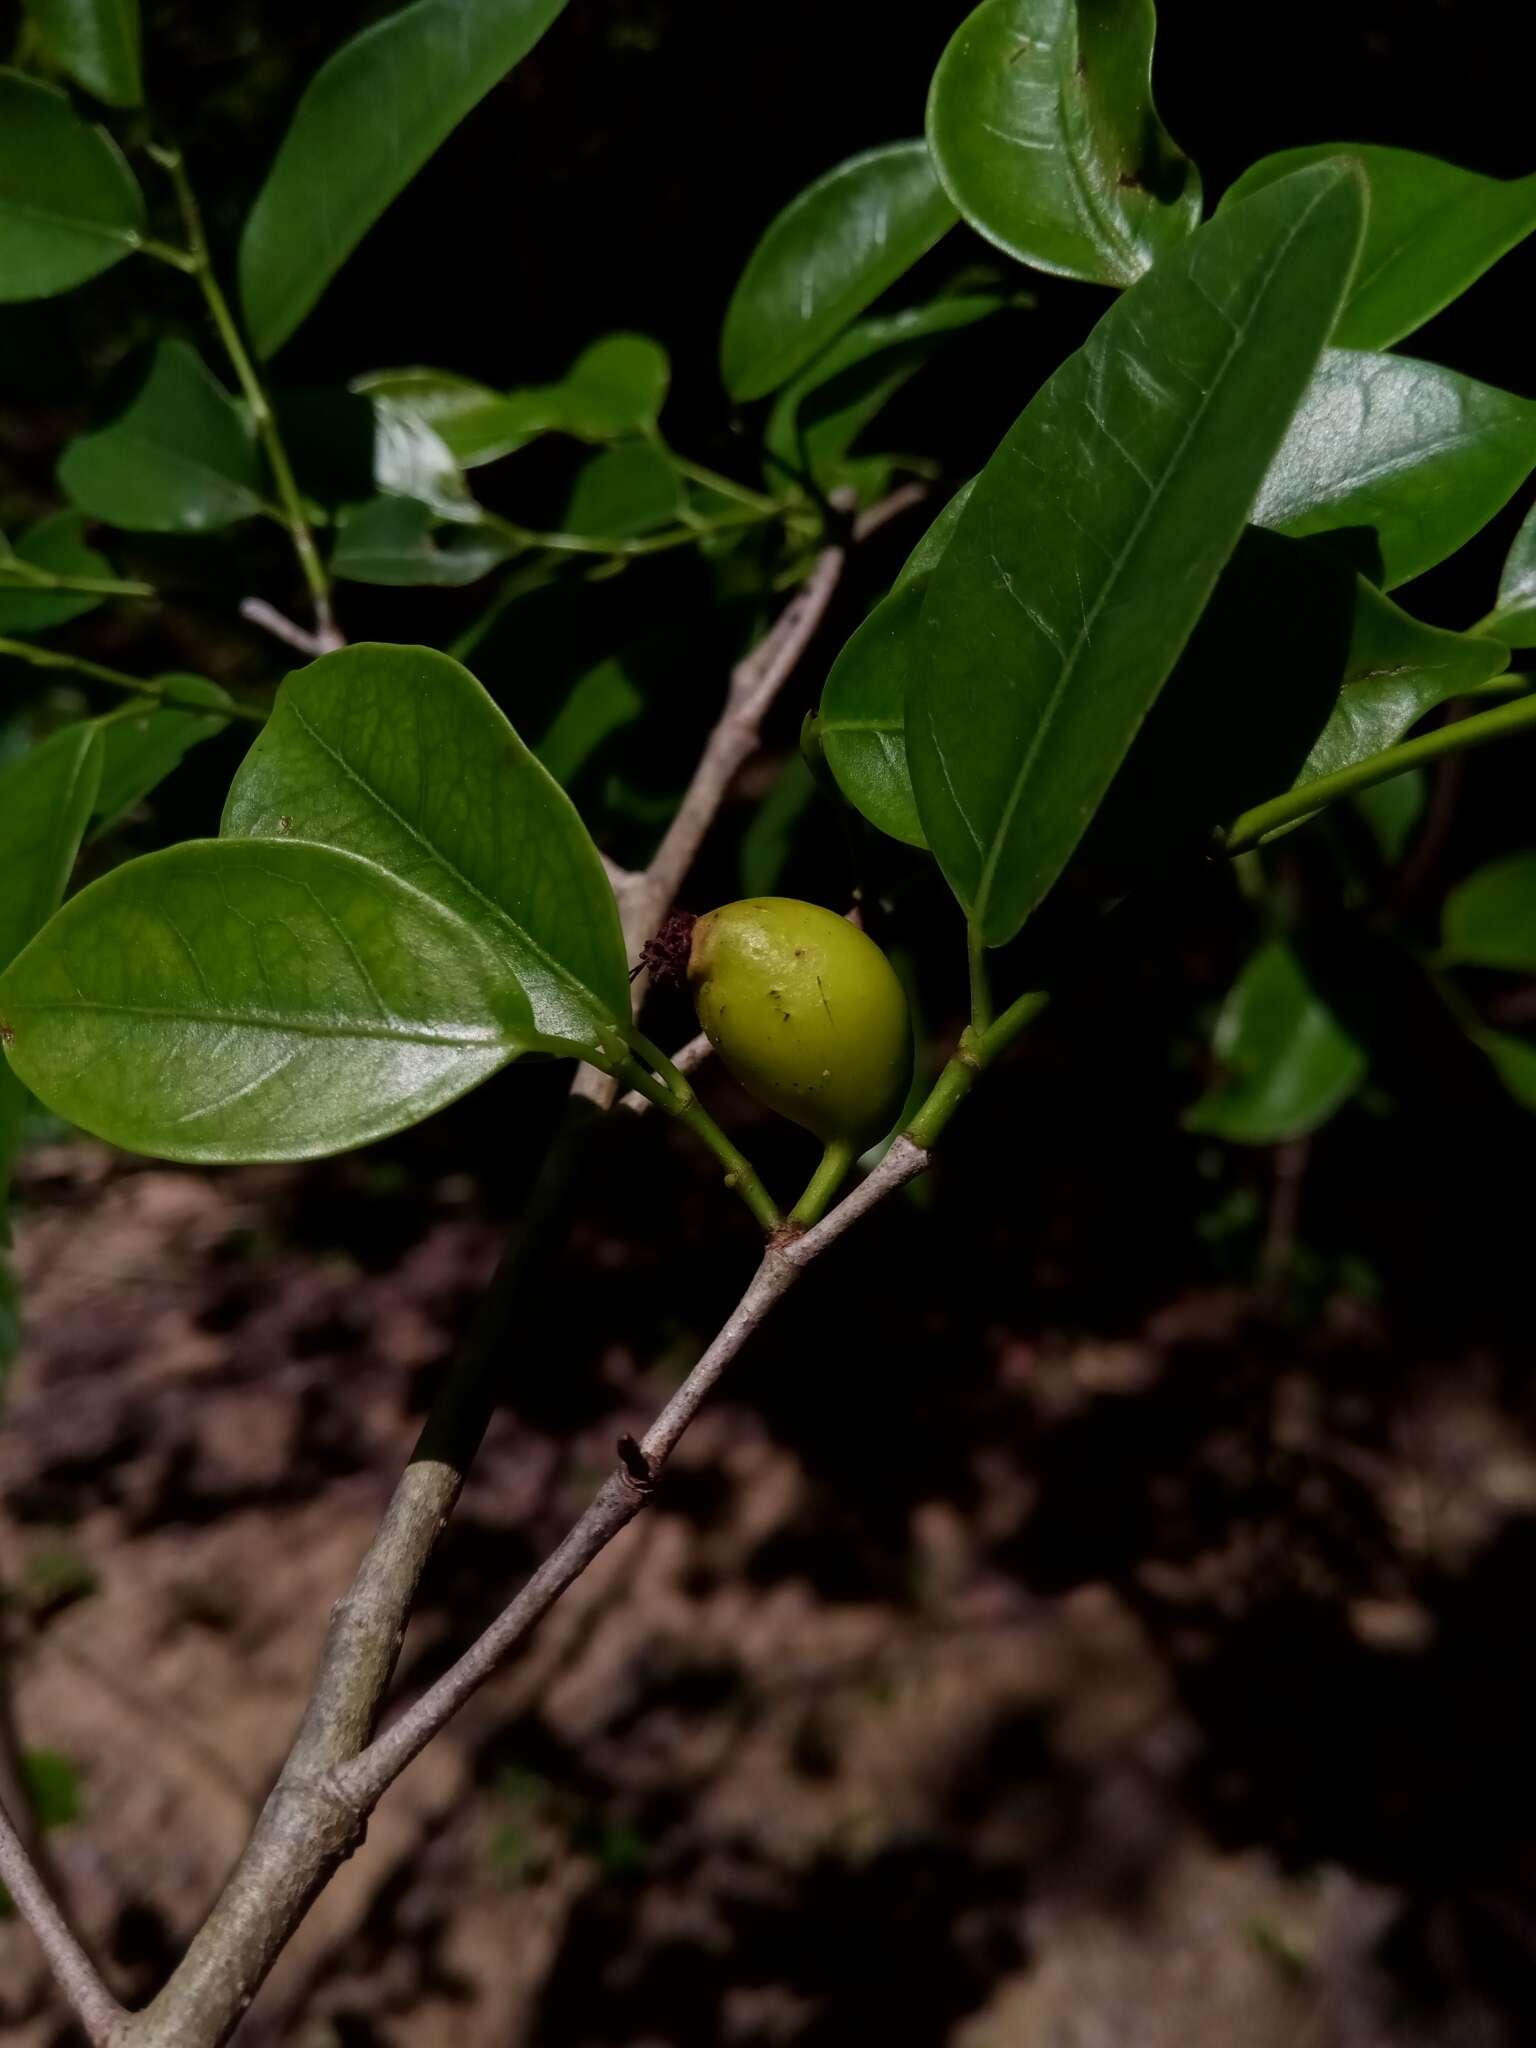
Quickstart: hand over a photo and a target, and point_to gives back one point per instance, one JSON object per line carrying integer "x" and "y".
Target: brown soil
{"x": 1162, "y": 1690}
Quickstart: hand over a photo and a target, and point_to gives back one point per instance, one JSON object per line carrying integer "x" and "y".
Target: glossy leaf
{"x": 58, "y": 545}
{"x": 1093, "y": 538}
{"x": 817, "y": 418}
{"x": 256, "y": 999}
{"x": 828, "y": 255}
{"x": 475, "y": 423}
{"x": 1042, "y": 127}
{"x": 929, "y": 551}
{"x": 180, "y": 458}
{"x": 398, "y": 754}
{"x": 1397, "y": 671}
{"x": 864, "y": 700}
{"x": 1490, "y": 919}
{"x": 863, "y": 714}
{"x": 139, "y": 751}
{"x": 612, "y": 391}
{"x": 98, "y": 44}
{"x": 396, "y": 541}
{"x": 69, "y": 206}
{"x": 1433, "y": 229}
{"x": 1288, "y": 1062}
{"x": 1403, "y": 460}
{"x": 622, "y": 493}
{"x": 1297, "y": 667}
{"x": 45, "y": 801}
{"x": 369, "y": 119}
{"x": 1513, "y": 620}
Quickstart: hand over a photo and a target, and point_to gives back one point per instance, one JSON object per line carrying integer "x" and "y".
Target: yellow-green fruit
{"x": 806, "y": 1012}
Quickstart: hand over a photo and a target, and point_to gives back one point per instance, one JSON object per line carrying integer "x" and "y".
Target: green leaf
{"x": 1095, "y": 535}
{"x": 1404, "y": 460}
{"x": 69, "y": 206}
{"x": 614, "y": 388}
{"x": 398, "y": 754}
{"x": 603, "y": 701}
{"x": 249, "y": 999}
{"x": 411, "y": 460}
{"x": 929, "y": 552}
{"x": 832, "y": 251}
{"x": 863, "y": 714}
{"x": 45, "y": 800}
{"x": 475, "y": 423}
{"x": 1514, "y": 1061}
{"x": 1432, "y": 230}
{"x": 622, "y": 493}
{"x": 369, "y": 119}
{"x": 864, "y": 699}
{"x": 180, "y": 458}
{"x": 140, "y": 750}
{"x": 1398, "y": 670}
{"x": 1513, "y": 619}
{"x": 1297, "y": 667}
{"x": 1289, "y": 1063}
{"x": 1043, "y": 130}
{"x": 1490, "y": 919}
{"x": 816, "y": 419}
{"x": 396, "y": 541}
{"x": 97, "y": 42}
{"x": 56, "y": 544}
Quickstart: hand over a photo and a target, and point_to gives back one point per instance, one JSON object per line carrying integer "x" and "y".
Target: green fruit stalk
{"x": 807, "y": 1013}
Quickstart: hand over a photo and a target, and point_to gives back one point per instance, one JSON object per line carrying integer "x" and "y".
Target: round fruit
{"x": 806, "y": 1012}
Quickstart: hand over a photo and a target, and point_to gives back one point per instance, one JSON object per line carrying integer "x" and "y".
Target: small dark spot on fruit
{"x": 285, "y": 824}
{"x": 1129, "y": 178}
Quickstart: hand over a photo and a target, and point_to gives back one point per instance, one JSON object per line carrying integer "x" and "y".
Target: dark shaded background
{"x": 1326, "y": 1683}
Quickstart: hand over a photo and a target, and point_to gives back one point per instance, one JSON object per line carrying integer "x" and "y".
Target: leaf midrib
{"x": 449, "y": 867}
{"x": 266, "y": 1020}
{"x": 1090, "y": 618}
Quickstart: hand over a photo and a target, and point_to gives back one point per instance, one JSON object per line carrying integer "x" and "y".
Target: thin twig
{"x": 281, "y": 627}
{"x": 316, "y": 1811}
{"x": 199, "y": 265}
{"x": 363, "y": 1782}
{"x": 103, "y": 2019}
{"x": 301, "y": 1833}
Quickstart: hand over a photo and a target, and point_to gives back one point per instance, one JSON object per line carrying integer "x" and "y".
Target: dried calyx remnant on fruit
{"x": 802, "y": 1007}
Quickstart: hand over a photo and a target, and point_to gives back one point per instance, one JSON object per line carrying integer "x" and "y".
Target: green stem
{"x": 29, "y": 575}
{"x": 836, "y": 1164}
{"x": 199, "y": 264}
{"x": 713, "y": 479}
{"x": 616, "y": 548}
{"x": 981, "y": 983}
{"x": 1294, "y": 804}
{"x": 75, "y": 664}
{"x": 977, "y": 1052}
{"x": 1513, "y": 683}
{"x": 670, "y": 1092}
